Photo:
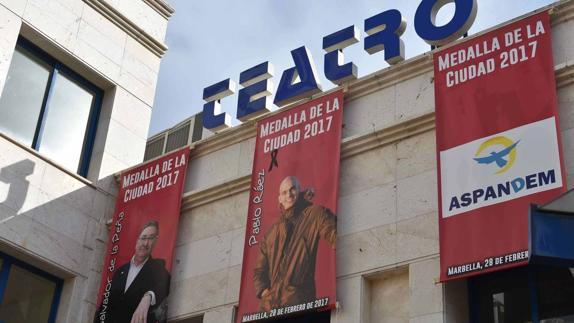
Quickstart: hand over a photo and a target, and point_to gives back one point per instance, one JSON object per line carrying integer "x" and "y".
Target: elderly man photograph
{"x": 285, "y": 270}
{"x": 140, "y": 286}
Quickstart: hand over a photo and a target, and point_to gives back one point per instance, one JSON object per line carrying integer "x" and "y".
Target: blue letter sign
{"x": 384, "y": 34}
{"x": 425, "y": 17}
{"x": 290, "y": 91}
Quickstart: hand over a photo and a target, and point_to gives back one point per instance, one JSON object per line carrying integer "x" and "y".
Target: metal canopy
{"x": 551, "y": 232}
{"x": 564, "y": 203}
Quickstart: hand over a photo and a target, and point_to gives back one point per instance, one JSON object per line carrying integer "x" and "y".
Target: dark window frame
{"x": 530, "y": 274}
{"x": 57, "y": 68}
{"x": 8, "y": 261}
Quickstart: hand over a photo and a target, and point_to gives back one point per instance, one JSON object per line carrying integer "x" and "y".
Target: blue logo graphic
{"x": 498, "y": 157}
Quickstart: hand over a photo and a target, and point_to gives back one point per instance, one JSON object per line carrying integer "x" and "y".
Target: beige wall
{"x": 49, "y": 216}
{"x": 387, "y": 251}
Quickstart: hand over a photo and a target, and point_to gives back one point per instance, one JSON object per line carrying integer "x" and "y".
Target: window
{"x": 523, "y": 295}
{"x": 27, "y": 294}
{"x": 48, "y": 107}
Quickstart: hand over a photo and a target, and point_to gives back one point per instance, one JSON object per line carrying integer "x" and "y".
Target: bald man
{"x": 285, "y": 270}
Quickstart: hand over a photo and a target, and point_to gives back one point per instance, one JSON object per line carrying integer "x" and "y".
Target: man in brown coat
{"x": 285, "y": 270}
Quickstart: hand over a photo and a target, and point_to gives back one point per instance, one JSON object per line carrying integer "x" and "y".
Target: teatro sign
{"x": 384, "y": 32}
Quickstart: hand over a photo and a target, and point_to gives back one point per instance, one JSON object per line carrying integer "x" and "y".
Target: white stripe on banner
{"x": 501, "y": 167}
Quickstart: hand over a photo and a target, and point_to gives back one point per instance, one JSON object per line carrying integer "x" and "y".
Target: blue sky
{"x": 212, "y": 40}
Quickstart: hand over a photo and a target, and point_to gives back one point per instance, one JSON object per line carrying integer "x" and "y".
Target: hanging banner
{"x": 498, "y": 144}
{"x": 289, "y": 251}
{"x": 136, "y": 273}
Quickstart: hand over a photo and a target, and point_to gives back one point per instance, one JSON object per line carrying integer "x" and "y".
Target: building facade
{"x": 77, "y": 83}
{"x": 388, "y": 237}
{"x": 57, "y": 199}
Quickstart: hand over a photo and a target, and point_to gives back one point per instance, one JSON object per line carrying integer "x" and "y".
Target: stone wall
{"x": 49, "y": 216}
{"x": 387, "y": 230}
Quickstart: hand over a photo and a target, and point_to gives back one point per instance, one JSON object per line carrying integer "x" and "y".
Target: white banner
{"x": 501, "y": 167}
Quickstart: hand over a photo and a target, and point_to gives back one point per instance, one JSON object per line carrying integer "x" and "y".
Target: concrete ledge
{"x": 106, "y": 10}
{"x": 162, "y": 7}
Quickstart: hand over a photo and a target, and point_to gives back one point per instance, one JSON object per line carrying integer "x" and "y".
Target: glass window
{"x": 555, "y": 288}
{"x": 502, "y": 297}
{"x": 27, "y": 294}
{"x": 507, "y": 296}
{"x": 23, "y": 96}
{"x": 49, "y": 108}
{"x": 70, "y": 106}
{"x": 28, "y": 297}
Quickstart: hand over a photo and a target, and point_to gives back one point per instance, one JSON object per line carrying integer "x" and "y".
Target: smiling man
{"x": 140, "y": 286}
{"x": 285, "y": 270}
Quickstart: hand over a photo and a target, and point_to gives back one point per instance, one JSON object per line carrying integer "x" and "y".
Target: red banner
{"x": 136, "y": 273}
{"x": 289, "y": 251}
{"x": 498, "y": 144}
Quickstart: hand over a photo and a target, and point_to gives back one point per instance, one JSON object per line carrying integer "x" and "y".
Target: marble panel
{"x": 246, "y": 151}
{"x": 144, "y": 91}
{"x": 124, "y": 145}
{"x": 562, "y": 45}
{"x": 369, "y": 113}
{"x": 144, "y": 16}
{"x": 89, "y": 310}
{"x": 60, "y": 185}
{"x": 15, "y": 190}
{"x": 203, "y": 256}
{"x": 102, "y": 42}
{"x": 219, "y": 315}
{"x": 417, "y": 195}
{"x": 131, "y": 112}
{"x": 111, "y": 165}
{"x": 96, "y": 60}
{"x": 416, "y": 154}
{"x": 415, "y": 97}
{"x": 233, "y": 285}
{"x": 103, "y": 207}
{"x": 566, "y": 107}
{"x": 417, "y": 237}
{"x": 95, "y": 231}
{"x": 21, "y": 163}
{"x": 10, "y": 25}
{"x": 389, "y": 297}
{"x": 41, "y": 240}
{"x": 197, "y": 293}
{"x": 139, "y": 70}
{"x": 76, "y": 309}
{"x": 367, "y": 250}
{"x": 104, "y": 26}
{"x": 430, "y": 318}
{"x": 55, "y": 19}
{"x": 16, "y": 6}
{"x": 368, "y": 170}
{"x": 7, "y": 214}
{"x": 141, "y": 53}
{"x": 426, "y": 296}
{"x": 215, "y": 168}
{"x": 237, "y": 242}
{"x": 367, "y": 209}
{"x": 351, "y": 300}
{"x": 568, "y": 150}
{"x": 456, "y": 302}
{"x": 57, "y": 215}
{"x": 92, "y": 287}
{"x": 72, "y": 5}
{"x": 97, "y": 263}
{"x": 211, "y": 219}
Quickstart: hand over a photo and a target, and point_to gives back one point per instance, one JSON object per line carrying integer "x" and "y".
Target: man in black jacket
{"x": 139, "y": 288}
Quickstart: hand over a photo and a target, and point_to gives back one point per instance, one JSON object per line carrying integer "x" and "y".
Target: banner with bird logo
{"x": 498, "y": 144}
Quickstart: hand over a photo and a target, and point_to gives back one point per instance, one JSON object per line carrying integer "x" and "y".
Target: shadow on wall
{"x": 53, "y": 216}
{"x": 15, "y": 178}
